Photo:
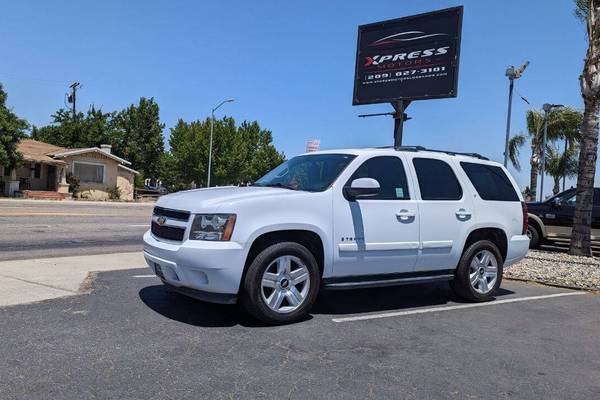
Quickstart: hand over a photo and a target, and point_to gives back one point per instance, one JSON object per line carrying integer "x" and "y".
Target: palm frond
{"x": 514, "y": 149}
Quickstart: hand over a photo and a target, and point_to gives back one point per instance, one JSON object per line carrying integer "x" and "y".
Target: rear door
{"x": 445, "y": 210}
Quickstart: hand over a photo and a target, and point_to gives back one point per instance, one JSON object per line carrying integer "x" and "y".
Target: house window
{"x": 89, "y": 173}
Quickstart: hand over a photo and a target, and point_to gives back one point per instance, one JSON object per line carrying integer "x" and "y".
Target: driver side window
{"x": 389, "y": 172}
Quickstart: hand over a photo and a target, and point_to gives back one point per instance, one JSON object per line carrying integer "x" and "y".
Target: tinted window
{"x": 490, "y": 182}
{"x": 436, "y": 180}
{"x": 389, "y": 172}
{"x": 313, "y": 173}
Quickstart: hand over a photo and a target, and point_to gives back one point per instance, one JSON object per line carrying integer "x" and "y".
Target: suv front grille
{"x": 175, "y": 214}
{"x": 167, "y": 232}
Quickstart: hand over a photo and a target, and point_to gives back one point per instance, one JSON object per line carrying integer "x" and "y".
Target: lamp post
{"x": 512, "y": 74}
{"x": 547, "y": 108}
{"x": 212, "y": 123}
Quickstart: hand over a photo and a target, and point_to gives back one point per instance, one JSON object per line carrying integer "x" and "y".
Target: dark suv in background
{"x": 552, "y": 219}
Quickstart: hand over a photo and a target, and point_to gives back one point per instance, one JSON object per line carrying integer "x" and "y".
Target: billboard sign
{"x": 408, "y": 58}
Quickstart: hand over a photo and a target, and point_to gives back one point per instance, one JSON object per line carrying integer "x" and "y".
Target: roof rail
{"x": 421, "y": 148}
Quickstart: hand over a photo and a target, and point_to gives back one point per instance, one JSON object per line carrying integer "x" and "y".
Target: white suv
{"x": 341, "y": 219}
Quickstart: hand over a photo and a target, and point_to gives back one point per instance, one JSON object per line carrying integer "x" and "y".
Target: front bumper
{"x": 209, "y": 271}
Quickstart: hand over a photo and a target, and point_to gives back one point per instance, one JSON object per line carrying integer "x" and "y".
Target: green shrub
{"x": 74, "y": 182}
{"x": 114, "y": 193}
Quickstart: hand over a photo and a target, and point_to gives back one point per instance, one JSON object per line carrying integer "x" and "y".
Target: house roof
{"x": 33, "y": 150}
{"x": 74, "y": 152}
{"x": 36, "y": 151}
{"x": 129, "y": 169}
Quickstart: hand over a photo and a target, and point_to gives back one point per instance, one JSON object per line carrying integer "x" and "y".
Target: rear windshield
{"x": 490, "y": 182}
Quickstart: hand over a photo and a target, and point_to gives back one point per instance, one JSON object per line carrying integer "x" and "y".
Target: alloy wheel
{"x": 285, "y": 284}
{"x": 483, "y": 272}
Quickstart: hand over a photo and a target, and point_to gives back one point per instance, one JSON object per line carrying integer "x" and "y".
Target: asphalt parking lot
{"x": 132, "y": 339}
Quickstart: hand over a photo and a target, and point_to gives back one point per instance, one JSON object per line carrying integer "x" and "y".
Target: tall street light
{"x": 547, "y": 108}
{"x": 212, "y": 123}
{"x": 512, "y": 74}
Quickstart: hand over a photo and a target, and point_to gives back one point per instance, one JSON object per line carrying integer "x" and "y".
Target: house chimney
{"x": 107, "y": 148}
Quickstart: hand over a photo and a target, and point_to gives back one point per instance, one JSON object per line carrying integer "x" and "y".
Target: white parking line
{"x": 144, "y": 276}
{"x": 449, "y": 308}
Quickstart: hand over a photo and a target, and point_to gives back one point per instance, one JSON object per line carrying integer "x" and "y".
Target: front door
{"x": 380, "y": 234}
{"x": 446, "y": 212}
{"x": 559, "y": 217}
{"x": 51, "y": 185}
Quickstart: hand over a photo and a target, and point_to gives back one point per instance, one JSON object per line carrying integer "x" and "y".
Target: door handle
{"x": 462, "y": 213}
{"x": 405, "y": 215}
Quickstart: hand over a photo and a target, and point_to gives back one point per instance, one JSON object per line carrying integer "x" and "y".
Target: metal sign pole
{"x": 398, "y": 122}
{"x": 399, "y": 119}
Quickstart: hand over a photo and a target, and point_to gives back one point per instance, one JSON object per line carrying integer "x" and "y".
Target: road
{"x": 132, "y": 339}
{"x": 36, "y": 229}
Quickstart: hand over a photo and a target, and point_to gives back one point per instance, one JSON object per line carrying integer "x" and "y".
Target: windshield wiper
{"x": 279, "y": 185}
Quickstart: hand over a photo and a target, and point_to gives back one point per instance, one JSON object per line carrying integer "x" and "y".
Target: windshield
{"x": 313, "y": 173}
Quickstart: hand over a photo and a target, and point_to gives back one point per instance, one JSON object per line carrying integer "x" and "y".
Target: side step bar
{"x": 381, "y": 280}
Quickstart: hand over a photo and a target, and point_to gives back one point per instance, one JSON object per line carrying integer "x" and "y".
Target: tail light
{"x": 525, "y": 218}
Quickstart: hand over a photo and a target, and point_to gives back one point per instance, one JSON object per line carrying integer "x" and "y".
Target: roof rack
{"x": 421, "y": 148}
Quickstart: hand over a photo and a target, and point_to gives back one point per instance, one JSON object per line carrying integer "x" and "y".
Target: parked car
{"x": 552, "y": 219}
{"x": 341, "y": 220}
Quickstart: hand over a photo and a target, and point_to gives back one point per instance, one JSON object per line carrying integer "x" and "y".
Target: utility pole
{"x": 512, "y": 74}
{"x": 73, "y": 97}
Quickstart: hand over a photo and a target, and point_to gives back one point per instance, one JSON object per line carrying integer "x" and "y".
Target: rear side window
{"x": 490, "y": 182}
{"x": 436, "y": 180}
{"x": 389, "y": 172}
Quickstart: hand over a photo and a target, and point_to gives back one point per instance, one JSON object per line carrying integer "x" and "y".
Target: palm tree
{"x": 535, "y": 129}
{"x": 559, "y": 165}
{"x": 563, "y": 123}
{"x": 589, "y": 12}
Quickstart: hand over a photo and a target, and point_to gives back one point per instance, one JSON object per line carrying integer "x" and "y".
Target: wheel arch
{"x": 312, "y": 239}
{"x": 536, "y": 221}
{"x": 494, "y": 234}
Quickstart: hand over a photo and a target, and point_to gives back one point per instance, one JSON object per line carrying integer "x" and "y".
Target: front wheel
{"x": 281, "y": 284}
{"x": 534, "y": 236}
{"x": 479, "y": 272}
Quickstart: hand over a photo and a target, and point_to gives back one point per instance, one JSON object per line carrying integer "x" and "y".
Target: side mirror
{"x": 555, "y": 203}
{"x": 362, "y": 187}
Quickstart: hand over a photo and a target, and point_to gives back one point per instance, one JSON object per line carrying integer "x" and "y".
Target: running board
{"x": 381, "y": 280}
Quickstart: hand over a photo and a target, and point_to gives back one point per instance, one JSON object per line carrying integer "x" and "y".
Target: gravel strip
{"x": 557, "y": 269}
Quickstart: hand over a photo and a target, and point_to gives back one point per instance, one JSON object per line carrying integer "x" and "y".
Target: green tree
{"x": 12, "y": 130}
{"x": 139, "y": 136}
{"x": 587, "y": 11}
{"x": 241, "y": 153}
{"x": 85, "y": 130}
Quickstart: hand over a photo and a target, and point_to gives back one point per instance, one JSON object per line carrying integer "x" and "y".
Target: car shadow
{"x": 183, "y": 309}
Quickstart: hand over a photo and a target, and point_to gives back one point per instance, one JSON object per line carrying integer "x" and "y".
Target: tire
{"x": 478, "y": 291}
{"x": 534, "y": 236}
{"x": 281, "y": 265}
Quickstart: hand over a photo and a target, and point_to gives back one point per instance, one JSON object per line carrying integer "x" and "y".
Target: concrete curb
{"x": 557, "y": 285}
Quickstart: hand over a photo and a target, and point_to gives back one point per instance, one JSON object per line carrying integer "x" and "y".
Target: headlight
{"x": 216, "y": 227}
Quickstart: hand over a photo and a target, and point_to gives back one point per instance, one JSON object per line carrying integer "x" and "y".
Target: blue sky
{"x": 289, "y": 65}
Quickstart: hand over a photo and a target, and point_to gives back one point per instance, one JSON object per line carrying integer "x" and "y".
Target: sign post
{"x": 405, "y": 59}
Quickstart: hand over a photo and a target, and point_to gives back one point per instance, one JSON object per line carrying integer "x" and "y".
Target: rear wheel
{"x": 479, "y": 272}
{"x": 281, "y": 284}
